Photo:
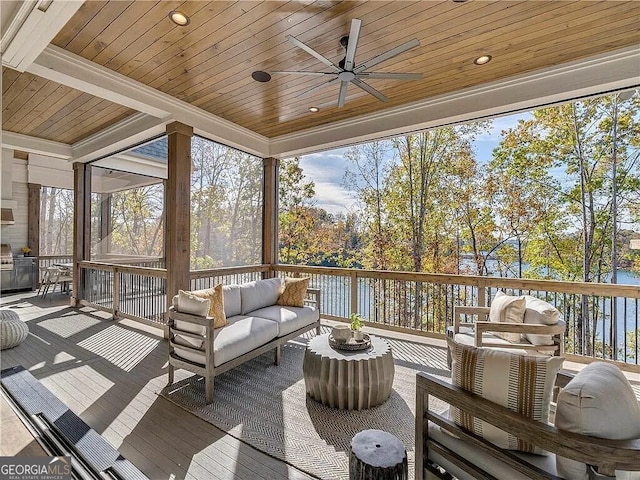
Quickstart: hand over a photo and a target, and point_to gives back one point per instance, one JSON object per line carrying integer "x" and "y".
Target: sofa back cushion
{"x": 232, "y": 302}
{"x": 522, "y": 383}
{"x": 507, "y": 308}
{"x": 598, "y": 402}
{"x": 539, "y": 312}
{"x": 259, "y": 294}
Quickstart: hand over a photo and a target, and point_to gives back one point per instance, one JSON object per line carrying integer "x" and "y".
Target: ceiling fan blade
{"x": 393, "y": 76}
{"x": 369, "y": 89}
{"x": 318, "y": 87}
{"x": 343, "y": 93}
{"x": 354, "y": 34}
{"x": 298, "y": 72}
{"x": 387, "y": 55}
{"x": 312, "y": 52}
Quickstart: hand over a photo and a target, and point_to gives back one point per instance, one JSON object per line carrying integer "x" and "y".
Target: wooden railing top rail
{"x": 581, "y": 288}
{"x": 125, "y": 260}
{"x": 228, "y": 271}
{"x": 110, "y": 267}
{"x": 62, "y": 255}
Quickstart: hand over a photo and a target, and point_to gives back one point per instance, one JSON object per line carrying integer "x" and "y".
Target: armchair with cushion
{"x": 500, "y": 423}
{"x": 524, "y": 323}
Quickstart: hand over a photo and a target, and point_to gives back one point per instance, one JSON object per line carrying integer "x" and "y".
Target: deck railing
{"x": 602, "y": 319}
{"x": 132, "y": 292}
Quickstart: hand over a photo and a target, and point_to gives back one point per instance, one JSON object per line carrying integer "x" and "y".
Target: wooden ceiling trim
{"x": 413, "y": 84}
{"x": 157, "y": 36}
{"x": 229, "y": 62}
{"x": 85, "y": 13}
{"x": 174, "y": 40}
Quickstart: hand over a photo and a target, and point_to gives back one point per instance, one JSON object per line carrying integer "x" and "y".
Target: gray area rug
{"x": 267, "y": 407}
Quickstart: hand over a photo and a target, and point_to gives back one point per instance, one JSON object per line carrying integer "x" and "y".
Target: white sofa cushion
{"x": 289, "y": 319}
{"x": 522, "y": 383}
{"x": 241, "y": 335}
{"x": 507, "y": 308}
{"x": 598, "y": 402}
{"x": 231, "y": 300}
{"x": 539, "y": 312}
{"x": 259, "y": 294}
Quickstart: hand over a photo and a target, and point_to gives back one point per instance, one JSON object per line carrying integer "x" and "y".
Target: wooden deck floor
{"x": 107, "y": 373}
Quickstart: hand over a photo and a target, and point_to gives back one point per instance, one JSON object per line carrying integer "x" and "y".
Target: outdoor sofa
{"x": 255, "y": 324}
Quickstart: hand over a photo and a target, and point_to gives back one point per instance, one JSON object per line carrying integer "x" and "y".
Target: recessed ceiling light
{"x": 314, "y": 109}
{"x": 179, "y": 18}
{"x": 482, "y": 60}
{"x": 260, "y": 76}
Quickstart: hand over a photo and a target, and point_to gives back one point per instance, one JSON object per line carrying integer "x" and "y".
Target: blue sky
{"x": 326, "y": 169}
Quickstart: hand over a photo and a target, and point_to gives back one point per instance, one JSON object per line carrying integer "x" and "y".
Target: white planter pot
{"x": 358, "y": 335}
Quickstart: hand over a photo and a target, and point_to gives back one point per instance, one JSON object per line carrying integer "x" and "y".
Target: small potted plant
{"x": 357, "y": 322}
{"x": 25, "y": 251}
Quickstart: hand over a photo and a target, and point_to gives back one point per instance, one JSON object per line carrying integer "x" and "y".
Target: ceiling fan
{"x": 347, "y": 71}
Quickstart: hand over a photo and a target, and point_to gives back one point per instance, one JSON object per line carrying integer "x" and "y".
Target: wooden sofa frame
{"x": 481, "y": 326}
{"x": 209, "y": 370}
{"x": 603, "y": 456}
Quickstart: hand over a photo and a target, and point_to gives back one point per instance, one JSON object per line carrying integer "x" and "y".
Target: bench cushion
{"x": 289, "y": 319}
{"x": 259, "y": 294}
{"x": 241, "y": 335}
{"x": 481, "y": 459}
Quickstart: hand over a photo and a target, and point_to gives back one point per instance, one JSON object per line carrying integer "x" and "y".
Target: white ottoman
{"x": 12, "y": 330}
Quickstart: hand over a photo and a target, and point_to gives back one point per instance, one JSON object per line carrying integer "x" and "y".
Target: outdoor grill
{"x": 16, "y": 273}
{"x": 6, "y": 258}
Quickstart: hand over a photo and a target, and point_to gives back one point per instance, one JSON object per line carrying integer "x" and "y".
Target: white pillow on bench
{"x": 539, "y": 312}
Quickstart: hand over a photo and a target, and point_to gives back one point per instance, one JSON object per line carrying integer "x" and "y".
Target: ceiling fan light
{"x": 482, "y": 60}
{"x": 314, "y": 109}
{"x": 179, "y": 18}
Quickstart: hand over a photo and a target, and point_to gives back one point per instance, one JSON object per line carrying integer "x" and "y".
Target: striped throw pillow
{"x": 522, "y": 383}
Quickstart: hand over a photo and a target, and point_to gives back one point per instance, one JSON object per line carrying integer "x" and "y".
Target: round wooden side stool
{"x": 377, "y": 455}
{"x": 12, "y": 330}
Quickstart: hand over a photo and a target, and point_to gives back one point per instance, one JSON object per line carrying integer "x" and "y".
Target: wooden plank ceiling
{"x": 209, "y": 62}
{"x": 40, "y": 108}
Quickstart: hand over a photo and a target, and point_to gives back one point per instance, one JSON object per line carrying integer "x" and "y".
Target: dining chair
{"x": 57, "y": 275}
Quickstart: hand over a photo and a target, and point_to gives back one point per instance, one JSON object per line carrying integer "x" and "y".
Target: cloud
{"x": 334, "y": 198}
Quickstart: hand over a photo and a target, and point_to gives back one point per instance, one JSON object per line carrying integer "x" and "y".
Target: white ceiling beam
{"x": 132, "y": 130}
{"x": 587, "y": 77}
{"x": 76, "y": 72}
{"x": 32, "y": 29}
{"x": 26, "y": 143}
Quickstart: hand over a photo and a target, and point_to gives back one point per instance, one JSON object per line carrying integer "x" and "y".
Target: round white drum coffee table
{"x": 348, "y": 380}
